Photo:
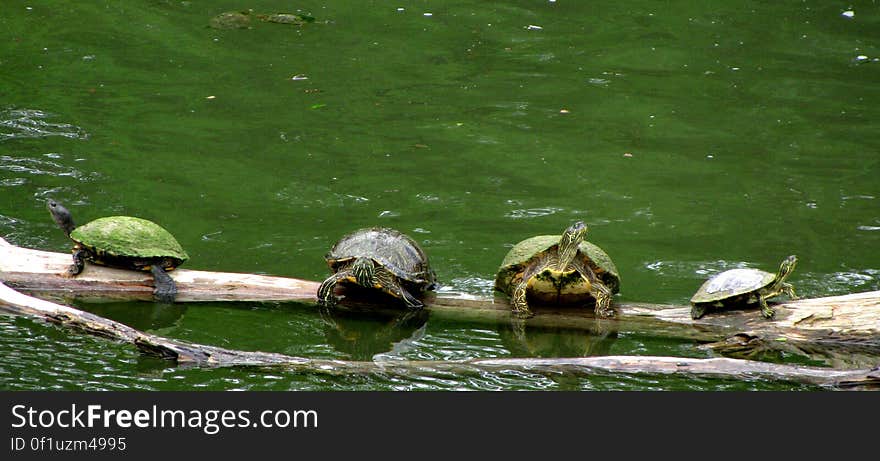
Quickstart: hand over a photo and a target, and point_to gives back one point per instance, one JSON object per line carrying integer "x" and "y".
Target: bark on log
{"x": 841, "y": 331}
{"x": 192, "y": 354}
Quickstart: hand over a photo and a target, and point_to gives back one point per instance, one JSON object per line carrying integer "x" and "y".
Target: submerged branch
{"x": 192, "y": 354}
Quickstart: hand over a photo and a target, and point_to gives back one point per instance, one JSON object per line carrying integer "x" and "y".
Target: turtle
{"x": 558, "y": 269}
{"x": 231, "y": 20}
{"x": 242, "y": 19}
{"x": 286, "y": 18}
{"x": 744, "y": 286}
{"x": 382, "y": 259}
{"x": 124, "y": 242}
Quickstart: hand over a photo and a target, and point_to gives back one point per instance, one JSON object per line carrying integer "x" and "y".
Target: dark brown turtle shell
{"x": 393, "y": 250}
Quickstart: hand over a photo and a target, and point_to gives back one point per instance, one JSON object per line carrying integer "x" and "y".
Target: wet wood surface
{"x": 840, "y": 331}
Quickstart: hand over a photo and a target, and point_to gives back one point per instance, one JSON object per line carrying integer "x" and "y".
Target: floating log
{"x": 192, "y": 354}
{"x": 841, "y": 331}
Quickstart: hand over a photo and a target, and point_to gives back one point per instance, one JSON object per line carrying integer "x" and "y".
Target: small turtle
{"x": 286, "y": 18}
{"x": 744, "y": 286}
{"x": 124, "y": 242}
{"x": 382, "y": 259}
{"x": 558, "y": 269}
{"x": 231, "y": 20}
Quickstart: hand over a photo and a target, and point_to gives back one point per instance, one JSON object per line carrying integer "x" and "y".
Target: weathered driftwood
{"x": 38, "y": 271}
{"x": 842, "y": 331}
{"x": 187, "y": 353}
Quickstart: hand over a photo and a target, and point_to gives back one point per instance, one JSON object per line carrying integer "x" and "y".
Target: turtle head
{"x": 61, "y": 216}
{"x": 364, "y": 272}
{"x": 787, "y": 267}
{"x": 569, "y": 242}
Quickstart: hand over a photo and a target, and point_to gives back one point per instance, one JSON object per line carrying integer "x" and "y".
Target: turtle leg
{"x": 518, "y": 299}
{"x": 390, "y": 284}
{"x": 325, "y": 291}
{"x": 393, "y": 286}
{"x": 411, "y": 301}
{"x": 788, "y": 289}
{"x": 79, "y": 262}
{"x": 766, "y": 310}
{"x": 603, "y": 300}
{"x": 166, "y": 289}
{"x": 600, "y": 292}
{"x": 698, "y": 310}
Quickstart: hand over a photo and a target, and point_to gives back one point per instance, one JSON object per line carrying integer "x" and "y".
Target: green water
{"x": 691, "y": 136}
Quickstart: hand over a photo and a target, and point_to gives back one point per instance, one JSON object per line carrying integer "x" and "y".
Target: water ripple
{"x": 462, "y": 344}
{"x": 31, "y": 123}
{"x": 533, "y": 212}
{"x": 468, "y": 286}
{"x": 38, "y": 167}
{"x": 839, "y": 283}
{"x": 686, "y": 269}
{"x": 35, "y": 354}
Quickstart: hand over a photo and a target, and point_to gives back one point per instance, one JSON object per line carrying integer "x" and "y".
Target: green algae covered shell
{"x": 128, "y": 237}
{"x": 524, "y": 252}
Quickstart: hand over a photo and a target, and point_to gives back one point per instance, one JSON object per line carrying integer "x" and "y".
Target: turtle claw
{"x": 604, "y": 308}
{"x": 79, "y": 263}
{"x": 329, "y": 302}
{"x": 766, "y": 310}
{"x": 412, "y": 303}
{"x": 789, "y": 290}
{"x": 605, "y": 312}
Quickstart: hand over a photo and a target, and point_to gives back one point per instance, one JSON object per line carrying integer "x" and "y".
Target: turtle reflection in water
{"x": 551, "y": 342}
{"x": 379, "y": 260}
{"x": 142, "y": 316}
{"x": 744, "y": 286}
{"x": 367, "y": 335}
{"x": 125, "y": 242}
